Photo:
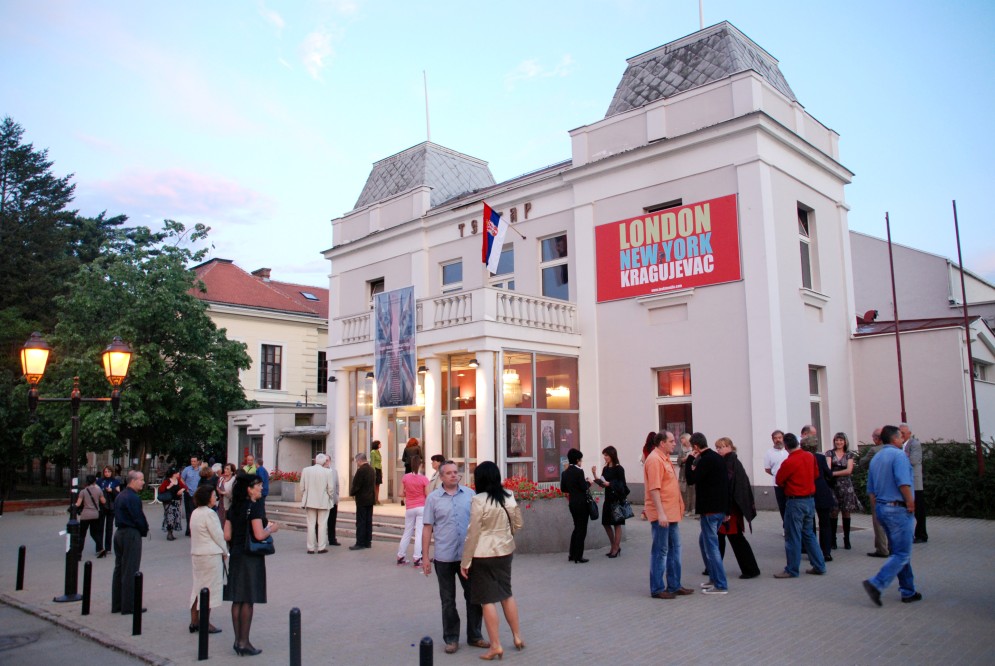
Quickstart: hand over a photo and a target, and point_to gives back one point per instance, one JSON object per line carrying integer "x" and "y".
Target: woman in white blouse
{"x": 208, "y": 551}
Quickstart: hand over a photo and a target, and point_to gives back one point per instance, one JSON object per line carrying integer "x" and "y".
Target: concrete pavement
{"x": 360, "y": 608}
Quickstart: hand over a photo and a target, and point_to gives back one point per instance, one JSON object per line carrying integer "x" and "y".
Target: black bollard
{"x": 87, "y": 577}
{"x": 295, "y": 637}
{"x": 205, "y": 622}
{"x": 136, "y": 609}
{"x": 425, "y": 652}
{"x": 21, "y": 553}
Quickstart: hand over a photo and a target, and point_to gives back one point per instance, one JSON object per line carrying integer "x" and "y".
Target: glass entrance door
{"x": 400, "y": 428}
{"x": 362, "y": 429}
{"x": 461, "y": 441}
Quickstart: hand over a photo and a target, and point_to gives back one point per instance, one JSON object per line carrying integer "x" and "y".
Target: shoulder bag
{"x": 621, "y": 511}
{"x": 253, "y": 546}
{"x": 592, "y": 506}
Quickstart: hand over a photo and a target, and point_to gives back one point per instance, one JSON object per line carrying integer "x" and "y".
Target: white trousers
{"x": 412, "y": 526}
{"x": 319, "y": 517}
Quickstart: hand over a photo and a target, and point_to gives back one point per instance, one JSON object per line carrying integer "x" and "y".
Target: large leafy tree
{"x": 184, "y": 373}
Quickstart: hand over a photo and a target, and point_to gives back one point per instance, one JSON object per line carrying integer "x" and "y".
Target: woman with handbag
{"x": 171, "y": 492}
{"x": 575, "y": 486}
{"x": 741, "y": 508}
{"x": 111, "y": 487}
{"x": 245, "y": 527}
{"x": 613, "y": 514}
{"x": 226, "y": 482}
{"x": 90, "y": 500}
{"x": 208, "y": 552}
{"x": 487, "y": 553}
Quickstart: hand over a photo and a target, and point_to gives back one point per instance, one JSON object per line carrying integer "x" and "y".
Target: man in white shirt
{"x": 317, "y": 490}
{"x": 772, "y": 462}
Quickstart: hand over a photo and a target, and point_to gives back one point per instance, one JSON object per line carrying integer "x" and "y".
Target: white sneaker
{"x": 713, "y": 590}
{"x": 707, "y": 585}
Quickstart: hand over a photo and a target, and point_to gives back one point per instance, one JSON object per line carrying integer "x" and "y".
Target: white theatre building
{"x": 687, "y": 268}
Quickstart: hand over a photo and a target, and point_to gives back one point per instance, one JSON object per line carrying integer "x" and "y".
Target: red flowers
{"x": 525, "y": 489}
{"x": 277, "y": 475}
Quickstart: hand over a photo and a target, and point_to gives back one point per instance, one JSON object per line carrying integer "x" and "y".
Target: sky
{"x": 262, "y": 119}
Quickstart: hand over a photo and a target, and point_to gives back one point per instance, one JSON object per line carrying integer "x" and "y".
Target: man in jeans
{"x": 889, "y": 486}
{"x": 706, "y": 471}
{"x": 664, "y": 509}
{"x": 447, "y": 516}
{"x": 797, "y": 476}
{"x": 191, "y": 477}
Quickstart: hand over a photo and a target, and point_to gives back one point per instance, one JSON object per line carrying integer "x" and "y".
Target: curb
{"x": 86, "y": 632}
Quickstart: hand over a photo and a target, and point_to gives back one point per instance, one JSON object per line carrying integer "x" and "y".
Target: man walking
{"x": 880, "y": 536}
{"x": 913, "y": 449}
{"x": 706, "y": 471}
{"x": 447, "y": 517}
{"x": 191, "y": 478}
{"x": 797, "y": 477}
{"x": 664, "y": 510}
{"x": 889, "y": 487}
{"x": 772, "y": 462}
{"x": 131, "y": 527}
{"x": 362, "y": 489}
{"x": 316, "y": 500}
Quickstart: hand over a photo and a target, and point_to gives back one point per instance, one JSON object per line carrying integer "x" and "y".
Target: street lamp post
{"x": 34, "y": 358}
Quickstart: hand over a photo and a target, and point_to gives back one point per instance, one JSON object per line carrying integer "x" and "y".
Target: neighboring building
{"x": 687, "y": 268}
{"x": 285, "y": 329}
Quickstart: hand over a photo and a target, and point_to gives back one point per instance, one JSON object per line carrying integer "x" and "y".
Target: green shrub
{"x": 950, "y": 480}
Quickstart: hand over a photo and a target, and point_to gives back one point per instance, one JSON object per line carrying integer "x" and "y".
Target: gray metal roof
{"x": 446, "y": 171}
{"x": 705, "y": 56}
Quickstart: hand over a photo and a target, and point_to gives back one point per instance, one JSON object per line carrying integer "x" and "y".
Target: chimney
{"x": 262, "y": 274}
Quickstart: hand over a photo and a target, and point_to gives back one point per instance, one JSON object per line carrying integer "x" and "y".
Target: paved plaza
{"x": 360, "y": 608}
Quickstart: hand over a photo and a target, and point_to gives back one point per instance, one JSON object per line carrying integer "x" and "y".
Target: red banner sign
{"x": 676, "y": 248}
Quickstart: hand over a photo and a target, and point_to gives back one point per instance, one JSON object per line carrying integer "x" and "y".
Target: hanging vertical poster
{"x": 394, "y": 350}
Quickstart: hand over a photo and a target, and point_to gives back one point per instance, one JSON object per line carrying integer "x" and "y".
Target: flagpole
{"x": 898, "y": 339}
{"x": 970, "y": 360}
{"x": 428, "y": 125}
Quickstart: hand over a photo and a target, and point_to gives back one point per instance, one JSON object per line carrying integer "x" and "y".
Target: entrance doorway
{"x": 359, "y": 442}
{"x": 461, "y": 441}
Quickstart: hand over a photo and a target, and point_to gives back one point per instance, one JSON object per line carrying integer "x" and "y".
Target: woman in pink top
{"x": 415, "y": 491}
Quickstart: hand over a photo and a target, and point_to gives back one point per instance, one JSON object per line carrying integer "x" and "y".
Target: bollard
{"x": 21, "y": 553}
{"x": 205, "y": 622}
{"x": 71, "y": 588}
{"x": 87, "y": 578}
{"x": 295, "y": 637}
{"x": 425, "y": 652}
{"x": 136, "y": 608}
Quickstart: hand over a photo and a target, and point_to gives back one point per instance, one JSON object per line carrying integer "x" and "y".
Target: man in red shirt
{"x": 797, "y": 477}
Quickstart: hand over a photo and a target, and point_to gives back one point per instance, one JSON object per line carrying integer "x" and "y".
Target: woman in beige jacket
{"x": 208, "y": 551}
{"x": 487, "y": 552}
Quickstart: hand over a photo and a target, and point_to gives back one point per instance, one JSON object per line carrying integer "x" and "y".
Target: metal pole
{"x": 425, "y": 652}
{"x": 898, "y": 339}
{"x": 295, "y": 636}
{"x": 136, "y": 609}
{"x": 87, "y": 578}
{"x": 71, "y": 587}
{"x": 205, "y": 623}
{"x": 970, "y": 361}
{"x": 21, "y": 554}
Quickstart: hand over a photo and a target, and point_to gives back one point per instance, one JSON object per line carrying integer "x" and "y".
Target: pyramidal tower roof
{"x": 700, "y": 58}
{"x": 447, "y": 172}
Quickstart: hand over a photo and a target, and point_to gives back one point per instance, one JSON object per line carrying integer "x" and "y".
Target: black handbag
{"x": 253, "y": 546}
{"x": 621, "y": 511}
{"x": 167, "y": 496}
{"x": 592, "y": 507}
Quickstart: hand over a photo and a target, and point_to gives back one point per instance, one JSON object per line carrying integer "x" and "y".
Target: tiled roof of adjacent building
{"x": 228, "y": 284}
{"x": 700, "y": 58}
{"x": 446, "y": 171}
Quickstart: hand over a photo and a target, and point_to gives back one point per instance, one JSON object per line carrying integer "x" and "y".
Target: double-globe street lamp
{"x": 34, "y": 358}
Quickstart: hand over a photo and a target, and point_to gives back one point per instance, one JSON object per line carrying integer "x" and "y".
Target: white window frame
{"x": 553, "y": 263}
{"x": 505, "y": 280}
{"x": 374, "y": 287}
{"x": 806, "y": 247}
{"x": 662, "y": 400}
{"x": 451, "y": 287}
{"x": 283, "y": 365}
{"x": 816, "y": 395}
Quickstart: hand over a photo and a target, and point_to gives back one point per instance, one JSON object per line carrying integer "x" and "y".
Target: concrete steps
{"x": 387, "y": 526}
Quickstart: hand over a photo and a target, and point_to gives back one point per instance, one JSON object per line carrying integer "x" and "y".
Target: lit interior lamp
{"x": 512, "y": 387}
{"x": 558, "y": 397}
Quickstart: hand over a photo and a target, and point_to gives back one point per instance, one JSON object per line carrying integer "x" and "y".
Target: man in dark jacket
{"x": 131, "y": 527}
{"x": 706, "y": 471}
{"x": 363, "y": 490}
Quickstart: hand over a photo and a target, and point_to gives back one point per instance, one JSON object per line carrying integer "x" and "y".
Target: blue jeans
{"x": 665, "y": 558}
{"x": 899, "y": 524}
{"x": 708, "y": 542}
{"x": 799, "y": 527}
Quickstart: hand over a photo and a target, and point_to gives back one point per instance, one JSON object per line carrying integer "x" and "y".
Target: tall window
{"x": 374, "y": 287}
{"x": 673, "y": 399}
{"x": 555, "y": 273}
{"x": 322, "y": 373}
{"x": 452, "y": 276}
{"x": 271, "y": 367}
{"x": 816, "y": 381}
{"x": 805, "y": 244}
{"x": 505, "y": 276}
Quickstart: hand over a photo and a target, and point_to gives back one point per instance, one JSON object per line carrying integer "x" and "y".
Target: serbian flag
{"x": 495, "y": 228}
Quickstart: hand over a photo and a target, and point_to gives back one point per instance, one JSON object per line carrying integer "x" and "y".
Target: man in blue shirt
{"x": 131, "y": 527}
{"x": 447, "y": 516}
{"x": 191, "y": 477}
{"x": 263, "y": 474}
{"x": 889, "y": 487}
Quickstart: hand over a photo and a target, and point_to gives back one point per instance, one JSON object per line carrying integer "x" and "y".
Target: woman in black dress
{"x": 247, "y": 572}
{"x": 612, "y": 479}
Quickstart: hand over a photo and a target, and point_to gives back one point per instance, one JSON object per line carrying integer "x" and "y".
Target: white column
{"x": 338, "y": 426}
{"x": 485, "y": 406}
{"x": 432, "y": 443}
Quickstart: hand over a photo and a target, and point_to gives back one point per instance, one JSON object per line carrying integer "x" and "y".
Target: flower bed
{"x": 277, "y": 475}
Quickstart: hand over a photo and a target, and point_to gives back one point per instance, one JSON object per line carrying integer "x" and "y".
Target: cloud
{"x": 532, "y": 69}
{"x": 316, "y": 51}
{"x": 272, "y": 17}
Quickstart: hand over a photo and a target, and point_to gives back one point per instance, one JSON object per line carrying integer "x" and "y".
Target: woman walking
{"x": 91, "y": 501}
{"x": 246, "y": 572}
{"x": 111, "y": 487}
{"x": 490, "y": 542}
{"x": 171, "y": 492}
{"x": 840, "y": 460}
{"x": 208, "y": 552}
{"x": 415, "y": 491}
{"x": 741, "y": 508}
{"x": 573, "y": 484}
{"x": 612, "y": 479}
